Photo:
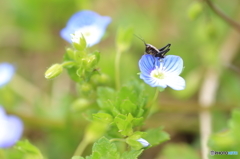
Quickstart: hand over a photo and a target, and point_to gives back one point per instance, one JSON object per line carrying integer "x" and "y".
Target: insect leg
{"x": 165, "y": 47}
{"x": 164, "y": 52}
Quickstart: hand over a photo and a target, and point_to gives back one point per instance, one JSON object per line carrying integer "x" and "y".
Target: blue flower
{"x": 162, "y": 72}
{"x": 11, "y": 128}
{"x": 87, "y": 23}
{"x": 143, "y": 142}
{"x": 6, "y": 72}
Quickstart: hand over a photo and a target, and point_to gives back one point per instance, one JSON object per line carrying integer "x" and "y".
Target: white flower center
{"x": 157, "y": 73}
{"x": 90, "y": 33}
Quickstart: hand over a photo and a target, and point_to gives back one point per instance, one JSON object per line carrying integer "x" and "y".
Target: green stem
{"x": 117, "y": 69}
{"x": 152, "y": 102}
{"x": 82, "y": 145}
{"x": 67, "y": 63}
{"x": 117, "y": 139}
{"x": 221, "y": 14}
{"x": 154, "y": 98}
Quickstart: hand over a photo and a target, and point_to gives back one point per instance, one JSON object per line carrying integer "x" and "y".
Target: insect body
{"x": 150, "y": 49}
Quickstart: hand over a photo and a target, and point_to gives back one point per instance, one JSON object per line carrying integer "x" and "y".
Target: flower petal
{"x": 144, "y": 142}
{"x": 153, "y": 82}
{"x": 6, "y": 72}
{"x": 146, "y": 64}
{"x": 86, "y": 21}
{"x": 11, "y": 129}
{"x": 175, "y": 82}
{"x": 173, "y": 64}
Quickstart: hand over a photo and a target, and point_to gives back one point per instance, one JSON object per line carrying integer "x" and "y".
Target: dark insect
{"x": 150, "y": 49}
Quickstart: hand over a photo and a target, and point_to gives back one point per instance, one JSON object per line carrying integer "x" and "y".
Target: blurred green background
{"x": 29, "y": 39}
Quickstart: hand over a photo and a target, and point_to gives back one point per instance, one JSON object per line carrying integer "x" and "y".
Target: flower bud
{"x": 90, "y": 61}
{"x": 143, "y": 142}
{"x": 99, "y": 79}
{"x": 80, "y": 104}
{"x": 85, "y": 87}
{"x": 53, "y": 71}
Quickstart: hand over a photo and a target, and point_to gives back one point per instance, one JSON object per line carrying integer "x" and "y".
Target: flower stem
{"x": 117, "y": 69}
{"x": 221, "y": 14}
{"x": 82, "y": 145}
{"x": 154, "y": 98}
{"x": 152, "y": 102}
{"x": 117, "y": 139}
{"x": 67, "y": 63}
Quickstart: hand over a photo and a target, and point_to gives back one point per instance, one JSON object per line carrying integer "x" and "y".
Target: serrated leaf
{"x": 130, "y": 101}
{"x": 131, "y": 154}
{"x": 127, "y": 107}
{"x": 73, "y": 74}
{"x": 28, "y": 149}
{"x": 156, "y": 136}
{"x": 106, "y": 97}
{"x": 132, "y": 140}
{"x": 95, "y": 130}
{"x": 104, "y": 149}
{"x": 138, "y": 121}
{"x": 103, "y": 117}
{"x": 124, "y": 124}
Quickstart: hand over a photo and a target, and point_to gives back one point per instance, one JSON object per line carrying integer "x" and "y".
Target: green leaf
{"x": 80, "y": 104}
{"x": 104, "y": 149}
{"x": 73, "y": 74}
{"x": 135, "y": 92}
{"x": 130, "y": 100}
{"x": 106, "y": 98}
{"x": 29, "y": 150}
{"x": 132, "y": 140}
{"x": 81, "y": 45}
{"x": 124, "y": 38}
{"x": 235, "y": 124}
{"x": 103, "y": 117}
{"x": 138, "y": 121}
{"x": 69, "y": 55}
{"x": 131, "y": 154}
{"x": 77, "y": 157}
{"x": 124, "y": 124}
{"x": 127, "y": 107}
{"x": 156, "y": 136}
{"x": 95, "y": 130}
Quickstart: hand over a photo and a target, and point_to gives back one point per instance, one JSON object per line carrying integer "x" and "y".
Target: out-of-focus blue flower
{"x": 11, "y": 129}
{"x": 87, "y": 23}
{"x": 143, "y": 142}
{"x": 6, "y": 72}
{"x": 162, "y": 73}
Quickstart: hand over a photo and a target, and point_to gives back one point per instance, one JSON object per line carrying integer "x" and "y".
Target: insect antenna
{"x": 141, "y": 39}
